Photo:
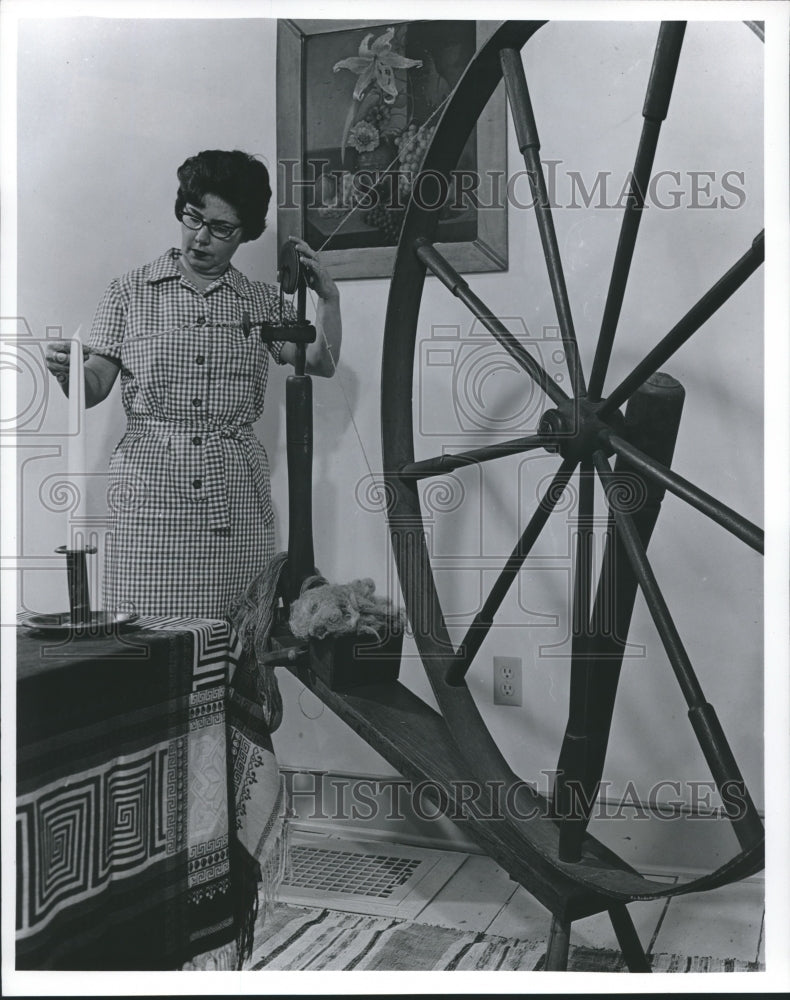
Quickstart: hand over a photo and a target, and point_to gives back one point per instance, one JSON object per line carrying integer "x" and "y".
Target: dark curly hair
{"x": 236, "y": 177}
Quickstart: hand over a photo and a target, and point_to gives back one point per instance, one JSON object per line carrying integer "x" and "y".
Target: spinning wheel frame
{"x": 586, "y": 430}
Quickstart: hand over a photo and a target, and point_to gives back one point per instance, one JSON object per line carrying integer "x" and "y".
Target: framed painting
{"x": 357, "y": 104}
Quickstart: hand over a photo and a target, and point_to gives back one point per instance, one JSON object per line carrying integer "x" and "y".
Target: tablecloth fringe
{"x": 222, "y": 959}
{"x": 257, "y": 889}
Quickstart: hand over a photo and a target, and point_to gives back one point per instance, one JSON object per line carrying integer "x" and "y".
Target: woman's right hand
{"x": 100, "y": 371}
{"x": 57, "y": 358}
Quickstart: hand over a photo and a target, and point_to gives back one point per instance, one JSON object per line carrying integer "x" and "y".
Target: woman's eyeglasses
{"x": 220, "y": 230}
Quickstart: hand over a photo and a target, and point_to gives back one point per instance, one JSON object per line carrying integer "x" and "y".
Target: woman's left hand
{"x": 316, "y": 277}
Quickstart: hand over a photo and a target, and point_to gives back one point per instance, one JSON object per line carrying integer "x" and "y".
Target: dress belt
{"x": 215, "y": 486}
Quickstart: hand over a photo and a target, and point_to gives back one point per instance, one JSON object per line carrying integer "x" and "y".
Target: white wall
{"x": 109, "y": 108}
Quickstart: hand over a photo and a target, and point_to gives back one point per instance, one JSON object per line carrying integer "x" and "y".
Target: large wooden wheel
{"x": 630, "y": 432}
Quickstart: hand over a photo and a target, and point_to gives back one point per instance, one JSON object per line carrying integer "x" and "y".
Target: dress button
{"x": 197, "y": 483}
{"x": 197, "y": 440}
{"x": 197, "y": 401}
{"x": 201, "y": 321}
{"x": 199, "y": 360}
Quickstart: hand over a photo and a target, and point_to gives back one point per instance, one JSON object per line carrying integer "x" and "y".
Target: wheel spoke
{"x": 729, "y": 781}
{"x": 735, "y": 523}
{"x": 484, "y": 619}
{"x": 584, "y": 541}
{"x": 700, "y": 313}
{"x": 451, "y": 279}
{"x": 529, "y": 144}
{"x": 442, "y": 464}
{"x": 659, "y": 92}
{"x": 572, "y": 768}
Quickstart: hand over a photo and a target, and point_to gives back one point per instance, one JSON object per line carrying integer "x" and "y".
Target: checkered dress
{"x": 189, "y": 494}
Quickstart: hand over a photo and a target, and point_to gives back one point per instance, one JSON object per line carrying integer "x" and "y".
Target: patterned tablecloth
{"x": 132, "y": 853}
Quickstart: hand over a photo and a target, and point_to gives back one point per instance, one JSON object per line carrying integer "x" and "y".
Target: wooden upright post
{"x": 652, "y": 419}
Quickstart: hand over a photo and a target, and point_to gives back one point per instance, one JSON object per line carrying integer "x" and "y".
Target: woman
{"x": 189, "y": 492}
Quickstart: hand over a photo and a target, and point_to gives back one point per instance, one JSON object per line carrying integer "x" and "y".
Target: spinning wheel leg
{"x": 630, "y": 945}
{"x": 558, "y": 945}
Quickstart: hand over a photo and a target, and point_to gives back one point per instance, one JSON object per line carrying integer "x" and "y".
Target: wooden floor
{"x": 480, "y": 897}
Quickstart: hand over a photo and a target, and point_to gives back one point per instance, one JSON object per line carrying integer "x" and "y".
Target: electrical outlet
{"x": 507, "y": 680}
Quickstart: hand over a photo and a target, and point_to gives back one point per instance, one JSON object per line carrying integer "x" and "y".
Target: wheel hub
{"x": 579, "y": 428}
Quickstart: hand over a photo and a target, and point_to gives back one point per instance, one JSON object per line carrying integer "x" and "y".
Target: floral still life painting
{"x": 373, "y": 97}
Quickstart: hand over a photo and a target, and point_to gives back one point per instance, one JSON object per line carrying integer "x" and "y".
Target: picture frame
{"x": 328, "y": 185}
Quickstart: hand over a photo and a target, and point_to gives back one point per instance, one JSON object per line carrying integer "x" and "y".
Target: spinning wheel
{"x": 586, "y": 430}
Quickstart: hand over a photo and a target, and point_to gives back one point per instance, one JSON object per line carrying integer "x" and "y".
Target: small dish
{"x": 58, "y": 624}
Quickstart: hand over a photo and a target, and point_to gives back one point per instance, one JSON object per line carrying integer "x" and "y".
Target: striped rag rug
{"x": 301, "y": 938}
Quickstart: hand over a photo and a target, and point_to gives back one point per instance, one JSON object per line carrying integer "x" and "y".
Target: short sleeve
{"x": 109, "y": 324}
{"x": 289, "y": 316}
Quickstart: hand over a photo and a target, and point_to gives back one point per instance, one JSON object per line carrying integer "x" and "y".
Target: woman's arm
{"x": 100, "y": 371}
{"x": 100, "y": 375}
{"x": 101, "y": 361}
{"x": 322, "y": 356}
